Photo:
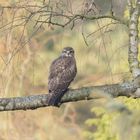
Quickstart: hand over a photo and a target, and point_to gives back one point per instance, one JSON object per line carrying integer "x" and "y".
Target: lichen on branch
{"x": 73, "y": 95}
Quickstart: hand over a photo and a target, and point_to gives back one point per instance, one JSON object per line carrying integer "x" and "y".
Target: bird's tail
{"x": 55, "y": 98}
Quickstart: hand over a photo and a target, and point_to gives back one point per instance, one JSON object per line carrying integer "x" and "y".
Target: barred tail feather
{"x": 55, "y": 98}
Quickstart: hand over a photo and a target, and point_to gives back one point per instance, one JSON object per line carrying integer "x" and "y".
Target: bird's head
{"x": 68, "y": 52}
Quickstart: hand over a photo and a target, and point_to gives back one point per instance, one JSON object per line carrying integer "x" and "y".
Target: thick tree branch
{"x": 85, "y": 93}
{"x": 133, "y": 39}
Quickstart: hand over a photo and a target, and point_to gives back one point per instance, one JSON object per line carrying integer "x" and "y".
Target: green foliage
{"x": 117, "y": 125}
{"x": 103, "y": 121}
{"x": 126, "y": 13}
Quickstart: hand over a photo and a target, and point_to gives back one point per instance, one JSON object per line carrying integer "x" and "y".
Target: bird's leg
{"x": 58, "y": 104}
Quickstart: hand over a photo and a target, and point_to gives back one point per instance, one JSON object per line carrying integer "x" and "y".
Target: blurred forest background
{"x": 28, "y": 47}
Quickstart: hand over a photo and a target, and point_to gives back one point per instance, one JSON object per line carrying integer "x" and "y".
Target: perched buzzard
{"x": 62, "y": 72}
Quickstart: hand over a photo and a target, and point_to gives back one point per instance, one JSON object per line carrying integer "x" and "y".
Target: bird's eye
{"x": 71, "y": 51}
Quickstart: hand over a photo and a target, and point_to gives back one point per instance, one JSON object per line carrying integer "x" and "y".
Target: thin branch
{"x": 105, "y": 16}
{"x": 75, "y": 17}
{"x": 84, "y": 38}
{"x": 101, "y": 28}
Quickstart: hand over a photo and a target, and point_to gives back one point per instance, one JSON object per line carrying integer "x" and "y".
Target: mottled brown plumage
{"x": 62, "y": 73}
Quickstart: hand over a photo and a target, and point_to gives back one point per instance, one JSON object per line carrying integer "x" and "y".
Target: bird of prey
{"x": 62, "y": 72}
